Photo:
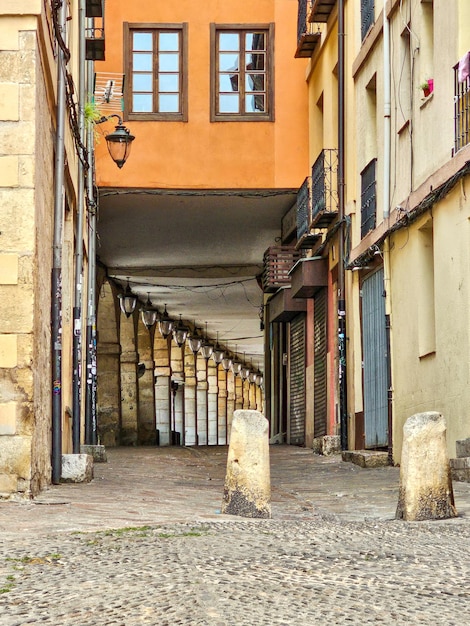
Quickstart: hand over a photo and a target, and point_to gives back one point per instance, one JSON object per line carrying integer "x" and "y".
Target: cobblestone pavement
{"x": 144, "y": 543}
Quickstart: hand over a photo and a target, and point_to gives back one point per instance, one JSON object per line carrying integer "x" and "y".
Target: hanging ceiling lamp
{"x": 165, "y": 324}
{"x": 149, "y": 313}
{"x": 207, "y": 347}
{"x": 226, "y": 362}
{"x": 218, "y": 352}
{"x": 259, "y": 378}
{"x": 127, "y": 301}
{"x": 252, "y": 376}
{"x": 236, "y": 365}
{"x": 180, "y": 332}
{"x": 195, "y": 341}
{"x": 245, "y": 371}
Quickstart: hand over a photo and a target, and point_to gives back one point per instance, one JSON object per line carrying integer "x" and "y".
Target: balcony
{"x": 325, "y": 189}
{"x": 321, "y": 10}
{"x": 282, "y": 307}
{"x": 308, "y": 276}
{"x": 277, "y": 262}
{"x": 307, "y": 36}
{"x": 461, "y": 106}
{"x": 306, "y": 236}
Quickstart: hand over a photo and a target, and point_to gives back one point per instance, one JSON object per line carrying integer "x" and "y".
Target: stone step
{"x": 462, "y": 448}
{"x": 366, "y": 458}
{"x": 460, "y": 469}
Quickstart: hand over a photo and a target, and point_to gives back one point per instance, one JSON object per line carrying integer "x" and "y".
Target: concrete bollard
{"x": 425, "y": 480}
{"x": 247, "y": 489}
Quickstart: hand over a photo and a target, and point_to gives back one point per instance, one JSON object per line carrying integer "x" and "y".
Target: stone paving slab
{"x": 144, "y": 543}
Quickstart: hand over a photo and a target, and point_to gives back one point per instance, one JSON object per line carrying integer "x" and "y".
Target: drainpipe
{"x": 386, "y": 214}
{"x": 387, "y": 112}
{"x": 343, "y": 404}
{"x": 77, "y": 309}
{"x": 91, "y": 436}
{"x": 56, "y": 313}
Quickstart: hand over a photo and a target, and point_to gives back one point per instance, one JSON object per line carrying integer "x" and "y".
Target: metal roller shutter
{"x": 320, "y": 370}
{"x": 374, "y": 338}
{"x": 297, "y": 381}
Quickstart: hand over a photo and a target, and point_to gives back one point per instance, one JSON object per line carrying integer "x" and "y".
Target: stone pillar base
{"x": 77, "y": 468}
{"x": 247, "y": 489}
{"x": 425, "y": 481}
{"x": 97, "y": 452}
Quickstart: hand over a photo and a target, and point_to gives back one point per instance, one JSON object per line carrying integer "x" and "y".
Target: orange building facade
{"x": 195, "y": 146}
{"x": 218, "y": 106}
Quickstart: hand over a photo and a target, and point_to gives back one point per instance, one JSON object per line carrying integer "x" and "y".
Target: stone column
{"x": 247, "y": 490}
{"x": 108, "y": 403}
{"x": 162, "y": 389}
{"x": 129, "y": 391}
{"x": 146, "y": 426}
{"x": 212, "y": 400}
{"x": 425, "y": 480}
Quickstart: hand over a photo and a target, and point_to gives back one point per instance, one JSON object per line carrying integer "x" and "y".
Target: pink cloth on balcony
{"x": 464, "y": 67}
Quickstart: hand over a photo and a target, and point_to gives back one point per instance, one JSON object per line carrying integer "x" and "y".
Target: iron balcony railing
{"x": 304, "y": 208}
{"x": 368, "y": 198}
{"x": 461, "y": 110}
{"x": 325, "y": 188}
{"x": 277, "y": 262}
{"x": 367, "y": 16}
{"x": 307, "y": 35}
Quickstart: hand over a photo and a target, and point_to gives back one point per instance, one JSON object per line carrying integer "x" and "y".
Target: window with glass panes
{"x": 242, "y": 73}
{"x": 155, "y": 61}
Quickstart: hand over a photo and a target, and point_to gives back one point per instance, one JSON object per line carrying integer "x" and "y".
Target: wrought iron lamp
{"x": 180, "y": 333}
{"x": 165, "y": 324}
{"x": 149, "y": 314}
{"x": 207, "y": 347}
{"x": 119, "y": 142}
{"x": 218, "y": 352}
{"x": 195, "y": 341}
{"x": 127, "y": 301}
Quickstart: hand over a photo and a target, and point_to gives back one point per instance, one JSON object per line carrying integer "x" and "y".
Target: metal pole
{"x": 207, "y": 402}
{"x": 343, "y": 405}
{"x": 183, "y": 408}
{"x": 195, "y": 397}
{"x": 91, "y": 434}
{"x": 77, "y": 310}
{"x": 226, "y": 407}
{"x": 56, "y": 287}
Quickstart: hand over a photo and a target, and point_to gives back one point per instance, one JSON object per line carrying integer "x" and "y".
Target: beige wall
{"x": 433, "y": 379}
{"x": 426, "y": 279}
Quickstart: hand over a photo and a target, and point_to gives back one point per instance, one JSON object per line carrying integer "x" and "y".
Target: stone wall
{"x": 25, "y": 259}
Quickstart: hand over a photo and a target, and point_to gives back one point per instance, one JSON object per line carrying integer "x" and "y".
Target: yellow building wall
{"x": 427, "y": 379}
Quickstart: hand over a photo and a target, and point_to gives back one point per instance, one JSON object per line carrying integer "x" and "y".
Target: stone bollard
{"x": 425, "y": 481}
{"x": 247, "y": 489}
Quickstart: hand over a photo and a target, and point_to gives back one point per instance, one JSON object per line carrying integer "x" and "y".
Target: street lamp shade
{"x": 165, "y": 324}
{"x": 226, "y": 362}
{"x": 180, "y": 333}
{"x": 195, "y": 341}
{"x": 149, "y": 314}
{"x": 127, "y": 301}
{"x": 119, "y": 144}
